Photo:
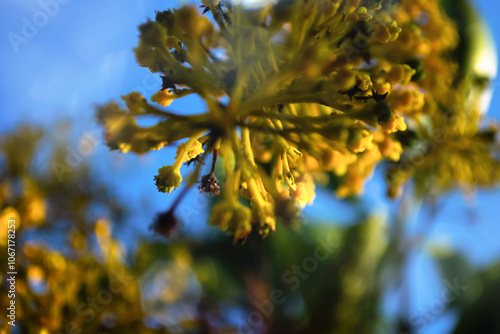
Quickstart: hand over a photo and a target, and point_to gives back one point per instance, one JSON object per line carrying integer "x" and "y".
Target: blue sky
{"x": 81, "y": 57}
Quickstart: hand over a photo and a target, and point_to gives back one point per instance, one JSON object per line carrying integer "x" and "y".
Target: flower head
{"x": 360, "y": 140}
{"x": 168, "y": 178}
{"x": 304, "y": 194}
{"x": 133, "y": 101}
{"x": 163, "y": 97}
{"x": 193, "y": 152}
{"x": 315, "y": 101}
{"x": 397, "y": 123}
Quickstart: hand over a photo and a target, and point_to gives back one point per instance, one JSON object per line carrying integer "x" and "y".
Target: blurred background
{"x": 85, "y": 212}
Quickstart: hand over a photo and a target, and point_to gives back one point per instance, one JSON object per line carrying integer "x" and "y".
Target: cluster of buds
{"x": 298, "y": 94}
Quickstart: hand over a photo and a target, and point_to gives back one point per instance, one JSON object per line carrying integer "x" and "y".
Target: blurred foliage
{"x": 75, "y": 276}
{"x": 64, "y": 250}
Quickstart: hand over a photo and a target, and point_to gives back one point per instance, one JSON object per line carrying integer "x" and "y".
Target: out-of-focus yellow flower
{"x": 364, "y": 81}
{"x": 35, "y": 211}
{"x": 102, "y": 228}
{"x": 400, "y": 74}
{"x": 337, "y": 161}
{"x": 8, "y": 215}
{"x": 344, "y": 79}
{"x": 360, "y": 14}
{"x": 57, "y": 261}
{"x": 232, "y": 217}
{"x": 395, "y": 124}
{"x": 352, "y": 185}
{"x": 386, "y": 32}
{"x": 163, "y": 97}
{"x": 350, "y": 6}
{"x": 408, "y": 101}
{"x": 382, "y": 87}
{"x": 133, "y": 101}
{"x": 390, "y": 149}
{"x": 35, "y": 275}
{"x": 78, "y": 240}
{"x": 361, "y": 140}
{"x": 304, "y": 194}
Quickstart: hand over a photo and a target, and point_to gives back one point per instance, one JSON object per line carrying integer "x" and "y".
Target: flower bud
{"x": 396, "y": 123}
{"x": 167, "y": 179}
{"x": 304, "y": 193}
{"x": 360, "y": 140}
{"x": 195, "y": 150}
{"x": 163, "y": 97}
{"x": 133, "y": 100}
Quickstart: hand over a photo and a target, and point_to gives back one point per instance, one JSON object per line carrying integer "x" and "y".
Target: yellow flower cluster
{"x": 191, "y": 153}
{"x": 304, "y": 92}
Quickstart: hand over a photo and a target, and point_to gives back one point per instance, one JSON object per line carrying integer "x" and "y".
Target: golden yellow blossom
{"x": 360, "y": 141}
{"x": 195, "y": 150}
{"x": 408, "y": 101}
{"x": 163, "y": 97}
{"x": 315, "y": 88}
{"x": 304, "y": 194}
{"x": 390, "y": 149}
{"x": 395, "y": 124}
{"x": 35, "y": 211}
{"x": 353, "y": 185}
{"x": 232, "y": 217}
{"x": 133, "y": 101}
{"x": 168, "y": 179}
{"x": 337, "y": 161}
{"x": 9, "y": 217}
{"x": 360, "y": 14}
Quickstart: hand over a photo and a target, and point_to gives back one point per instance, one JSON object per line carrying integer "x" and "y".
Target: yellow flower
{"x": 133, "y": 100}
{"x": 382, "y": 87}
{"x": 8, "y": 216}
{"x": 310, "y": 103}
{"x": 195, "y": 150}
{"x": 400, "y": 74}
{"x": 360, "y": 14}
{"x": 304, "y": 193}
{"x": 35, "y": 211}
{"x": 364, "y": 81}
{"x": 163, "y": 97}
{"x": 360, "y": 141}
{"x": 337, "y": 161}
{"x": 344, "y": 79}
{"x": 232, "y": 217}
{"x": 395, "y": 124}
{"x": 385, "y": 33}
{"x": 351, "y": 5}
{"x": 408, "y": 101}
{"x": 168, "y": 178}
{"x": 353, "y": 185}
{"x": 390, "y": 149}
